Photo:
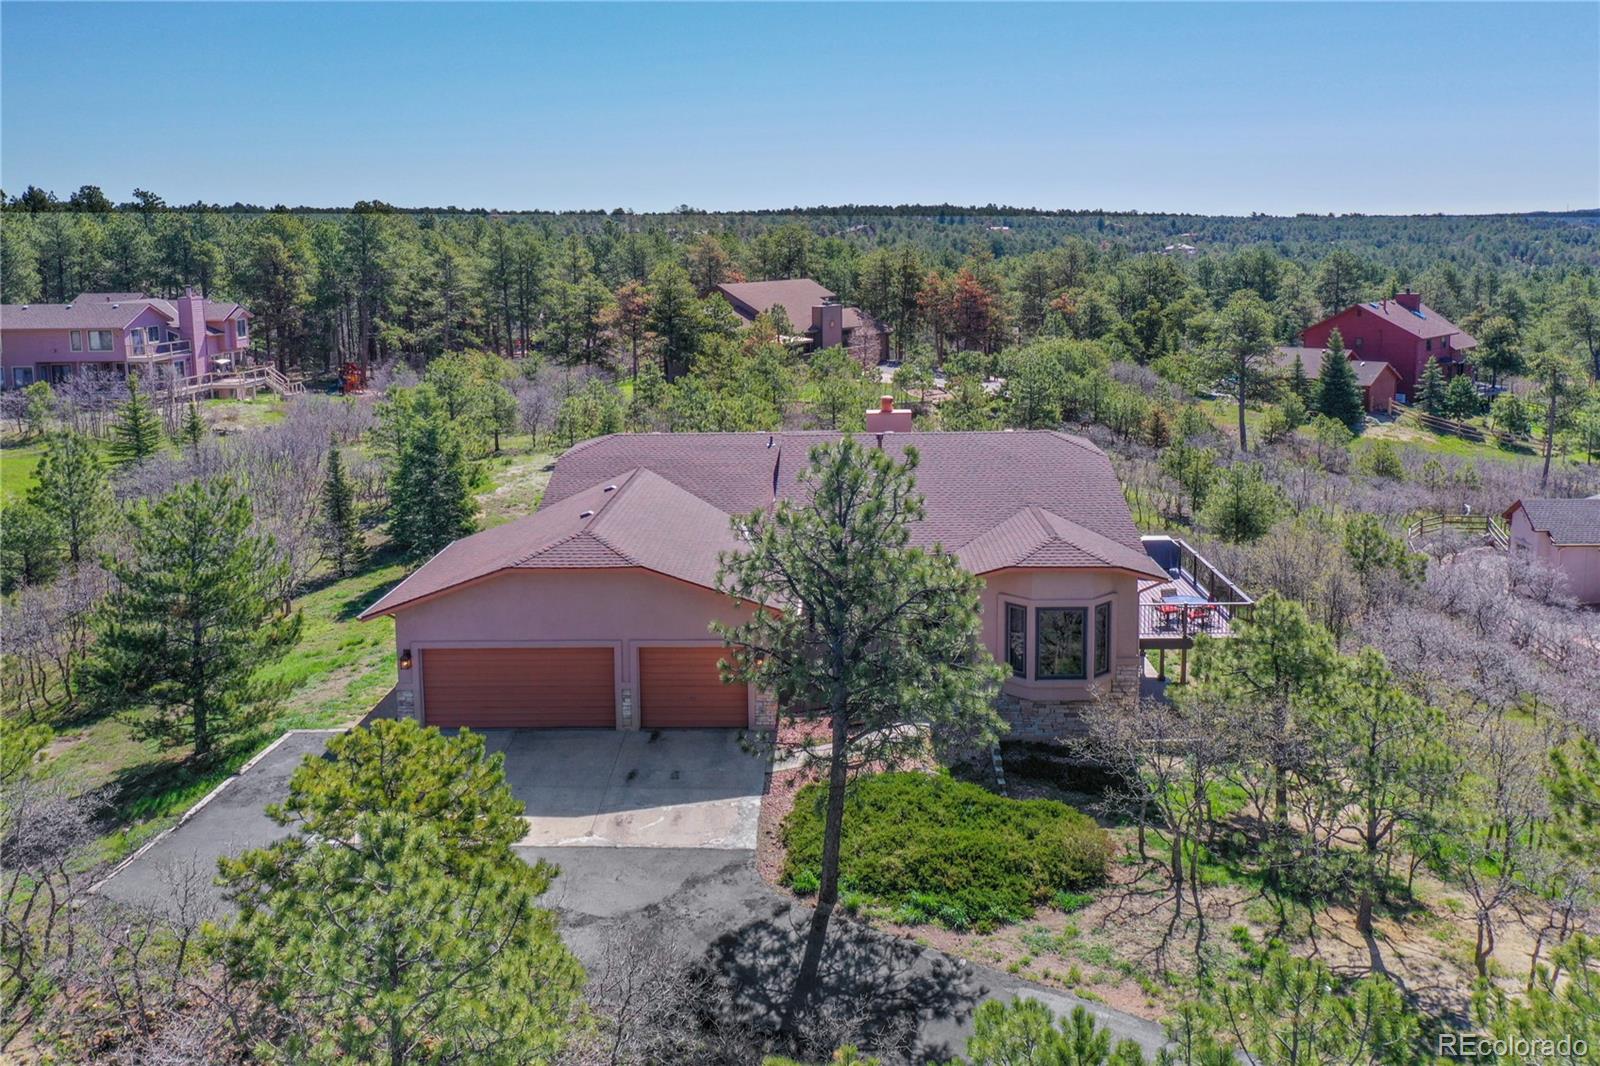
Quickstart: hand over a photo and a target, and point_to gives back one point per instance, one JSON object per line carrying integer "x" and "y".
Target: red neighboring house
{"x": 1403, "y": 332}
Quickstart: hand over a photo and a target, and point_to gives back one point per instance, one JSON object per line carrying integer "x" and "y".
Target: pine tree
{"x": 860, "y": 607}
{"x": 30, "y": 547}
{"x": 1430, "y": 389}
{"x": 341, "y": 530}
{"x": 71, "y": 490}
{"x": 1338, "y": 394}
{"x": 196, "y": 612}
{"x": 396, "y": 923}
{"x": 430, "y": 493}
{"x": 137, "y": 433}
{"x": 1302, "y": 385}
{"x": 1242, "y": 506}
{"x": 192, "y": 430}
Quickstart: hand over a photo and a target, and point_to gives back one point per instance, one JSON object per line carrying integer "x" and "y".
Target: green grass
{"x": 517, "y": 479}
{"x": 940, "y": 850}
{"x": 19, "y": 464}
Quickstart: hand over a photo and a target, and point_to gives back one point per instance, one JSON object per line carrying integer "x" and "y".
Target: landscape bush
{"x": 940, "y": 850}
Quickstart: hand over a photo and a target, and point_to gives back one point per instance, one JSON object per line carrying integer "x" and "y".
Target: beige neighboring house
{"x": 1563, "y": 535}
{"x": 816, "y": 315}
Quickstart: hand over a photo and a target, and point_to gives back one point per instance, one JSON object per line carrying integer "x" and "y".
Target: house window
{"x": 21, "y": 376}
{"x": 154, "y": 333}
{"x": 1060, "y": 639}
{"x": 77, "y": 340}
{"x": 1102, "y": 639}
{"x": 1430, "y": 344}
{"x": 1017, "y": 639}
{"x": 242, "y": 329}
{"x": 100, "y": 340}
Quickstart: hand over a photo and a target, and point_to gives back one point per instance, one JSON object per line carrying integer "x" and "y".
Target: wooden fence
{"x": 1479, "y": 524}
{"x": 1465, "y": 430}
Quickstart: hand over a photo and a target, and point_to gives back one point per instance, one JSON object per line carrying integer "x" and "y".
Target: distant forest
{"x": 375, "y": 281}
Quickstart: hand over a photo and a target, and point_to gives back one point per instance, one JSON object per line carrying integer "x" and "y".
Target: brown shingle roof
{"x": 635, "y": 520}
{"x": 1367, "y": 370}
{"x": 996, "y": 500}
{"x": 1569, "y": 522}
{"x": 797, "y": 296}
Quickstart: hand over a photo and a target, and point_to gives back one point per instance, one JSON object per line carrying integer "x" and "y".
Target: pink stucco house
{"x": 1563, "y": 535}
{"x": 115, "y": 331}
{"x": 595, "y": 610}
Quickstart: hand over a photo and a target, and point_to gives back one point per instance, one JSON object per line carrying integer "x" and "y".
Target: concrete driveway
{"x": 691, "y": 789}
{"x": 681, "y": 788}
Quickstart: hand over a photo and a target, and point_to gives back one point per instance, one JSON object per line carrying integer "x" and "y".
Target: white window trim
{"x": 111, "y": 340}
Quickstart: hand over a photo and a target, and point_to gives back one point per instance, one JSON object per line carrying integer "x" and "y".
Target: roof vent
{"x": 587, "y": 514}
{"x": 609, "y": 488}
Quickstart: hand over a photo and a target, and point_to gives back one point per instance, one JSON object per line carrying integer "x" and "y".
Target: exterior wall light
{"x": 405, "y": 659}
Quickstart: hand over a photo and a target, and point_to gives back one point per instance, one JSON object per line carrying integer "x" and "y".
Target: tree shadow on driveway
{"x": 876, "y": 992}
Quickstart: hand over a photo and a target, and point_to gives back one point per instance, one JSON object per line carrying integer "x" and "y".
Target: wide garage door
{"x": 680, "y": 687}
{"x": 527, "y": 687}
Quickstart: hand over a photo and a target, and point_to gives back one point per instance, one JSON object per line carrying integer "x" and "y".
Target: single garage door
{"x": 681, "y": 688}
{"x": 493, "y": 688}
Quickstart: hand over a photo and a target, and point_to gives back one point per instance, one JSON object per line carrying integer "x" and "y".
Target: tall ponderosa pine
{"x": 137, "y": 433}
{"x": 1338, "y": 393}
{"x": 1244, "y": 337}
{"x": 71, "y": 490}
{"x": 871, "y": 633}
{"x": 341, "y": 528}
{"x": 197, "y": 611}
{"x": 1431, "y": 389}
{"x": 430, "y": 485}
{"x": 1242, "y": 505}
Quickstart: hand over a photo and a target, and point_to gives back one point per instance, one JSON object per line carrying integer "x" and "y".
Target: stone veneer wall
{"x": 766, "y": 716}
{"x": 1049, "y": 721}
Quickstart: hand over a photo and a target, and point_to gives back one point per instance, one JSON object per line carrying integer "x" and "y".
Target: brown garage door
{"x": 680, "y": 687}
{"x": 527, "y": 687}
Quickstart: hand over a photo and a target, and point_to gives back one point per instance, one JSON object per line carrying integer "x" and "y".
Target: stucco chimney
{"x": 192, "y": 320}
{"x": 827, "y": 318}
{"x": 1411, "y": 301}
{"x": 888, "y": 418}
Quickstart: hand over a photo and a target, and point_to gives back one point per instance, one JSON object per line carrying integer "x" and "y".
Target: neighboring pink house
{"x": 595, "y": 610}
{"x": 1563, "y": 535}
{"x": 114, "y": 331}
{"x": 1403, "y": 332}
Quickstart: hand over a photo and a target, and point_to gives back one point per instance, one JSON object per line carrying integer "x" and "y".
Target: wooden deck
{"x": 1195, "y": 598}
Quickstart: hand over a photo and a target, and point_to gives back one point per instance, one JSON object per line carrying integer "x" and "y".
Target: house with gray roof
{"x": 1563, "y": 535}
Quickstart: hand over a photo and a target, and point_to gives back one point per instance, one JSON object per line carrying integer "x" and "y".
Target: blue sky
{"x": 1194, "y": 107}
